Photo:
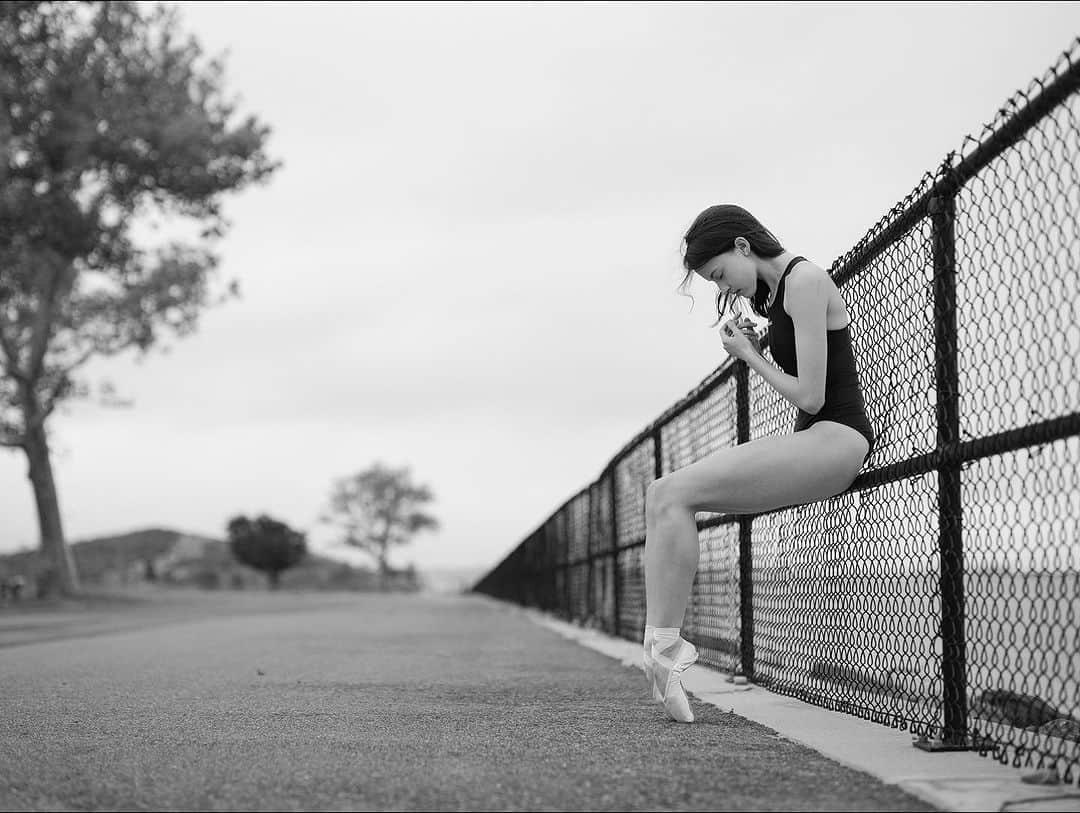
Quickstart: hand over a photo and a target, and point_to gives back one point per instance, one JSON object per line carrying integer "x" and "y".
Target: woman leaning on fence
{"x": 810, "y": 338}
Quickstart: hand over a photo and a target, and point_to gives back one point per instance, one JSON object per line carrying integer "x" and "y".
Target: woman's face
{"x": 731, "y": 271}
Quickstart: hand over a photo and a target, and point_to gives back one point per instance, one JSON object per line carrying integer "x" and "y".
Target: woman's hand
{"x": 740, "y": 339}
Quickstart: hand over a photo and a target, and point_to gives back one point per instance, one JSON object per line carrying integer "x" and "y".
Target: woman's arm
{"x": 787, "y": 385}
{"x": 806, "y": 301}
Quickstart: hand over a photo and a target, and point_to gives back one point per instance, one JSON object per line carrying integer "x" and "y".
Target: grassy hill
{"x": 173, "y": 557}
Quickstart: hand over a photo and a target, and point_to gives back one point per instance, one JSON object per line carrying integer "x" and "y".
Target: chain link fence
{"x": 940, "y": 594}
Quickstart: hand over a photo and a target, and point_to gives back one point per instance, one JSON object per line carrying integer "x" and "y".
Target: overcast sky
{"x": 468, "y": 262}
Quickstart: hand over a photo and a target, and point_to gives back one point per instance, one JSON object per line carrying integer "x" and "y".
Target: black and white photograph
{"x": 539, "y": 406}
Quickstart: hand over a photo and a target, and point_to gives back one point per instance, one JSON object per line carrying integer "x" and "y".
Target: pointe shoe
{"x": 668, "y": 666}
{"x": 650, "y": 666}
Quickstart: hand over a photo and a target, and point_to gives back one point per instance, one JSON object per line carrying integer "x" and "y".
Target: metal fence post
{"x": 942, "y": 210}
{"x": 590, "y": 598}
{"x": 658, "y": 472}
{"x": 551, "y": 566}
{"x": 746, "y": 525}
{"x": 564, "y": 552}
{"x": 616, "y": 590}
{"x": 658, "y": 455}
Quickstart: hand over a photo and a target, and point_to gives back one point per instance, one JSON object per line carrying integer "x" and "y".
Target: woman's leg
{"x": 762, "y": 475}
{"x": 671, "y": 558}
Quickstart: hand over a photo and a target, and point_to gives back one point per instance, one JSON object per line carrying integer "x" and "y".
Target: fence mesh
{"x": 941, "y": 592}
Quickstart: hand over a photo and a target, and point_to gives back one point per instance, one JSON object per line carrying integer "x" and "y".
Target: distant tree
{"x": 107, "y": 115}
{"x": 266, "y": 544}
{"x": 377, "y": 509}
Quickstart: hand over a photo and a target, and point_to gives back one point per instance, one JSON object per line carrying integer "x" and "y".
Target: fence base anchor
{"x": 973, "y": 743}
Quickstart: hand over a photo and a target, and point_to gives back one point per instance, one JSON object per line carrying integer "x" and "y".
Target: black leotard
{"x": 843, "y": 392}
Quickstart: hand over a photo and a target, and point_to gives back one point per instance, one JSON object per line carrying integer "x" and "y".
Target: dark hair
{"x": 713, "y": 232}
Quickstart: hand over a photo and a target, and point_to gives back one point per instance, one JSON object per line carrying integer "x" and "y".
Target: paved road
{"x": 365, "y": 702}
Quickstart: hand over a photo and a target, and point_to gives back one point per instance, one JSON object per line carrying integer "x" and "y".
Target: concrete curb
{"x": 959, "y": 781}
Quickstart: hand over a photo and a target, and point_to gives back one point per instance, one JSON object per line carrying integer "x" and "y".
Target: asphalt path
{"x": 367, "y": 702}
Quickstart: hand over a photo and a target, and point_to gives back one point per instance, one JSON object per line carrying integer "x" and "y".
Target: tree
{"x": 377, "y": 509}
{"x": 107, "y": 116}
{"x": 266, "y": 544}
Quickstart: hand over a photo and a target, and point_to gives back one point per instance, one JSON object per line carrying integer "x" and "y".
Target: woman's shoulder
{"x": 804, "y": 274}
{"x": 807, "y": 270}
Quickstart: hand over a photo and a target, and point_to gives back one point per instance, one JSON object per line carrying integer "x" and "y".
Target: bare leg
{"x": 764, "y": 474}
{"x": 671, "y": 558}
